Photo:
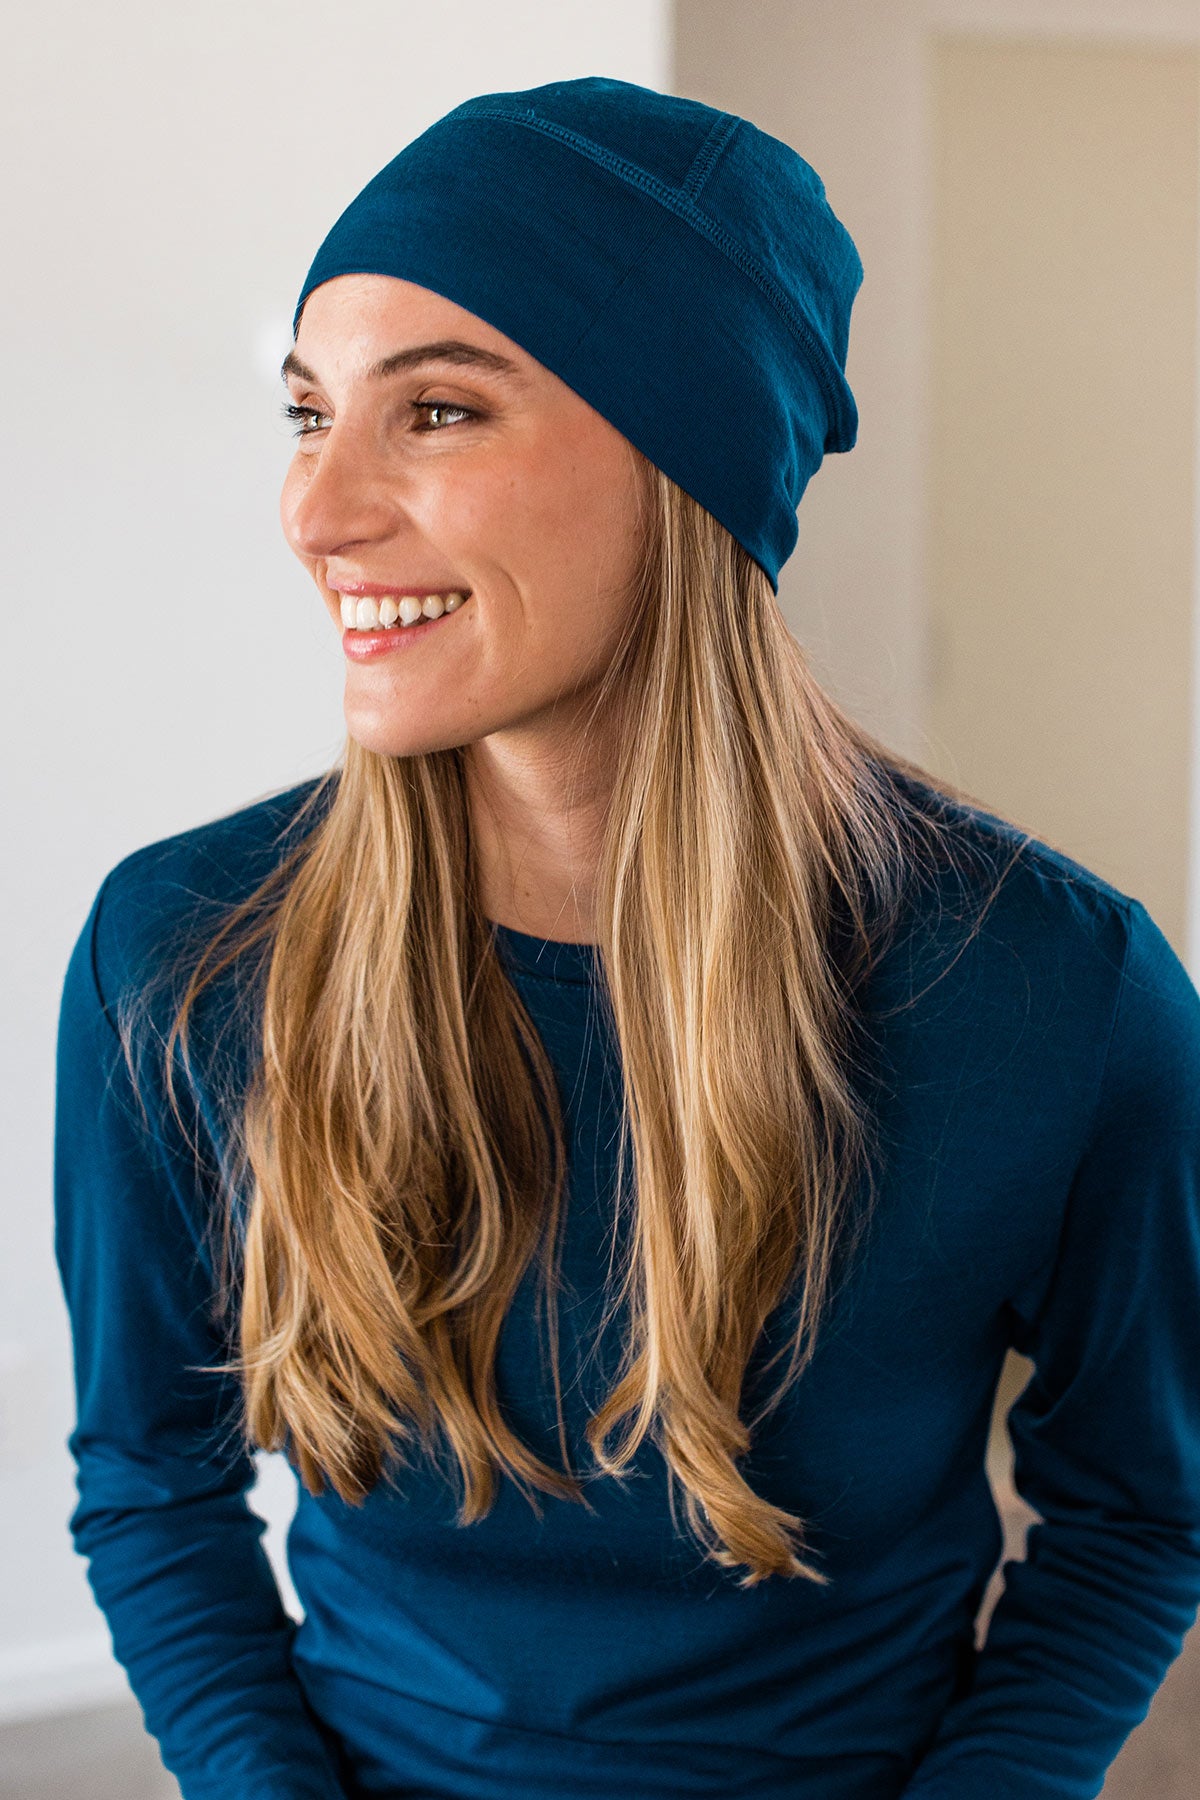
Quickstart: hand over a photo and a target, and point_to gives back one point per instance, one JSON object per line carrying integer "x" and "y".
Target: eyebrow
{"x": 445, "y": 350}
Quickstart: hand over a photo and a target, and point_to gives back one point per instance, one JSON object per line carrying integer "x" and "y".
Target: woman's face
{"x": 453, "y": 476}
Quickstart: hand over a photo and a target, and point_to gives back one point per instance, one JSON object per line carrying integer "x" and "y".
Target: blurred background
{"x": 1001, "y": 579}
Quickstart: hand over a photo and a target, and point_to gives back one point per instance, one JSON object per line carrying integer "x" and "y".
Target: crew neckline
{"x": 575, "y": 965}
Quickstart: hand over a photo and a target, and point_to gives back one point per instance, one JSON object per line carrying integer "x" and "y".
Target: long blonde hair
{"x": 401, "y": 1140}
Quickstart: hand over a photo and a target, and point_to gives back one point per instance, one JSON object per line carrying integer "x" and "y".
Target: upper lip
{"x": 375, "y": 590}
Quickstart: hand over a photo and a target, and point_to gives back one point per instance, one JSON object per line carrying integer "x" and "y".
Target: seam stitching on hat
{"x": 685, "y": 208}
{"x": 706, "y": 156}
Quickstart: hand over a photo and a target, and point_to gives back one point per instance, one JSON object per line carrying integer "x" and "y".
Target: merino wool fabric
{"x": 677, "y": 267}
{"x": 1036, "y": 1083}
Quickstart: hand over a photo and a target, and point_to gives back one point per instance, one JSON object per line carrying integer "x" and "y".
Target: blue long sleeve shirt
{"x": 1037, "y": 1092}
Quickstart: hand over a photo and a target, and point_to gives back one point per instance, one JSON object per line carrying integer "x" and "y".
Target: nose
{"x": 336, "y": 496}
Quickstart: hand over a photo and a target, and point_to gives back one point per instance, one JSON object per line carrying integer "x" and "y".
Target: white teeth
{"x": 367, "y": 614}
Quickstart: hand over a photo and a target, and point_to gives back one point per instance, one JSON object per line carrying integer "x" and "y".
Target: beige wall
{"x": 1106, "y": 759}
{"x": 1061, "y": 483}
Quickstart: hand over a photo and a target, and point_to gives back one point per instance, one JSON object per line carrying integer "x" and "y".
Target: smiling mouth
{"x": 366, "y": 613}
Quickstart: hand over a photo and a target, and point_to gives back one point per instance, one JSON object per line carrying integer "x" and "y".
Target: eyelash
{"x": 295, "y": 413}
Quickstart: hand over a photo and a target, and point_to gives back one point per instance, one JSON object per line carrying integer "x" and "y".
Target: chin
{"x": 391, "y": 736}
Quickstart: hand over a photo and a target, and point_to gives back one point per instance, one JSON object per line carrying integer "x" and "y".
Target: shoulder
{"x": 1030, "y": 887}
{"x": 1022, "y": 918}
{"x": 170, "y": 894}
{"x": 229, "y": 854}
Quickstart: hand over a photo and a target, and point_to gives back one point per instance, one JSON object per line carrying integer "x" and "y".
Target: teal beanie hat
{"x": 678, "y": 268}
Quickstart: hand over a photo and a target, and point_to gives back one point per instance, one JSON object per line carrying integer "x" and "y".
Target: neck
{"x": 535, "y": 847}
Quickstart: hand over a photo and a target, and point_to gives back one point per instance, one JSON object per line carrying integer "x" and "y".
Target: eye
{"x": 299, "y": 413}
{"x": 441, "y": 406}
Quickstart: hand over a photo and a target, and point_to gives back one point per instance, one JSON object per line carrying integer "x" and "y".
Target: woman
{"x": 609, "y": 1131}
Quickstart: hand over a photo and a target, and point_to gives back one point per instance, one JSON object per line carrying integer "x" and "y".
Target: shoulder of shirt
{"x": 167, "y": 893}
{"x": 1056, "y": 913}
{"x": 1001, "y": 839}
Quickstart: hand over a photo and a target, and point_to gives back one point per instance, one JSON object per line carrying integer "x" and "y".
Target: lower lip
{"x": 364, "y": 646}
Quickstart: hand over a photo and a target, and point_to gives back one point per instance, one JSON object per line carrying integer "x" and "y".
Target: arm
{"x": 1106, "y": 1434}
{"x": 175, "y": 1555}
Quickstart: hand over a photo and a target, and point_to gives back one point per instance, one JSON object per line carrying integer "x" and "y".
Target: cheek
{"x": 556, "y": 513}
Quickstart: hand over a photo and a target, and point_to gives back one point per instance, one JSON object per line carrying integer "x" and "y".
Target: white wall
{"x": 170, "y": 173}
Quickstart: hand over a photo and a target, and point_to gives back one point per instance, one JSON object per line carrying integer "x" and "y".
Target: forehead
{"x": 376, "y": 326}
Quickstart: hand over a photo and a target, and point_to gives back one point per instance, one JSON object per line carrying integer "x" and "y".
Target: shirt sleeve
{"x": 175, "y": 1554}
{"x": 1106, "y": 1433}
